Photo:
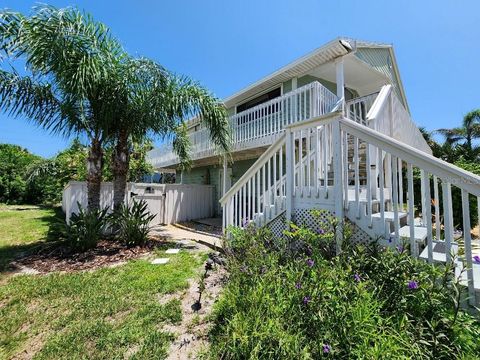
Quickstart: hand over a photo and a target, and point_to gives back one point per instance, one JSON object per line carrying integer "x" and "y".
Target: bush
{"x": 132, "y": 223}
{"x": 291, "y": 302}
{"x": 85, "y": 228}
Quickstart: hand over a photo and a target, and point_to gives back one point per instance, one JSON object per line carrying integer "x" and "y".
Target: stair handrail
{"x": 395, "y": 120}
{"x": 262, "y": 160}
{"x": 433, "y": 165}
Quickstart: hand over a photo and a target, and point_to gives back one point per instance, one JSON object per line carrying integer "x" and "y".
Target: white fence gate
{"x": 171, "y": 203}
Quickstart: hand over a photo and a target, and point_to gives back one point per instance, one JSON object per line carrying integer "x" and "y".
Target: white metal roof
{"x": 324, "y": 54}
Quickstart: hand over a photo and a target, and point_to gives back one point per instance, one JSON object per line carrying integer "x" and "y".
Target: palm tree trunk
{"x": 94, "y": 174}
{"x": 120, "y": 164}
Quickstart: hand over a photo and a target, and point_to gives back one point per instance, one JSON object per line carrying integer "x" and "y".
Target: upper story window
{"x": 272, "y": 94}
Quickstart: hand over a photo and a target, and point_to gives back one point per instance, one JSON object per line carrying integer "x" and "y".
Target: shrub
{"x": 85, "y": 228}
{"x": 366, "y": 303}
{"x": 132, "y": 223}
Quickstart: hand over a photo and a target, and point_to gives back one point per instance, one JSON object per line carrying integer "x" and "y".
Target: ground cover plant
{"x": 292, "y": 298}
{"x": 23, "y": 229}
{"x": 103, "y": 314}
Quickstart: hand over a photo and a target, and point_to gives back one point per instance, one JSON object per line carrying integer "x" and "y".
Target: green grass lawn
{"x": 22, "y": 229}
{"x": 109, "y": 313}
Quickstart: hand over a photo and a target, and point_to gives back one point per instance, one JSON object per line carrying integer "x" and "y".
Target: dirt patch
{"x": 32, "y": 346}
{"x": 61, "y": 258}
{"x": 191, "y": 333}
{"x": 203, "y": 228}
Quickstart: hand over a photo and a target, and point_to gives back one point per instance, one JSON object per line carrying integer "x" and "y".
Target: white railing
{"x": 388, "y": 116}
{"x": 260, "y": 125}
{"x": 257, "y": 195}
{"x": 386, "y": 207}
{"x": 357, "y": 109}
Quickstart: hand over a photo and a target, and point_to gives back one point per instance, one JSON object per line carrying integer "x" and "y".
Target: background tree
{"x": 463, "y": 137}
{"x": 14, "y": 163}
{"x": 71, "y": 61}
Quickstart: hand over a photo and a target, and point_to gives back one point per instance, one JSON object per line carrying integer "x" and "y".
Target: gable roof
{"x": 338, "y": 47}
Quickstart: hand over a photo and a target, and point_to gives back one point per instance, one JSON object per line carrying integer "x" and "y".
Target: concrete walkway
{"x": 178, "y": 232}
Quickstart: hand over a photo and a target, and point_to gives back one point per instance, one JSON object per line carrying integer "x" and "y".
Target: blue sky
{"x": 226, "y": 45}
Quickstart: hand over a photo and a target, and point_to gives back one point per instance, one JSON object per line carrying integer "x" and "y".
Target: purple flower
{"x": 306, "y": 300}
{"x": 298, "y": 285}
{"x": 400, "y": 248}
{"x": 310, "y": 262}
{"x": 245, "y": 222}
{"x": 326, "y": 348}
{"x": 390, "y": 239}
{"x": 412, "y": 285}
{"x": 308, "y": 251}
{"x": 321, "y": 231}
{"x": 357, "y": 278}
{"x": 476, "y": 258}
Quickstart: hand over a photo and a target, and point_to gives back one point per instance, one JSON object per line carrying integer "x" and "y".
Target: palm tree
{"x": 155, "y": 101}
{"x": 71, "y": 60}
{"x": 465, "y": 135}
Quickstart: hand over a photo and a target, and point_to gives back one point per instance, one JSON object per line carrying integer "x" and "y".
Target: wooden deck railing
{"x": 257, "y": 126}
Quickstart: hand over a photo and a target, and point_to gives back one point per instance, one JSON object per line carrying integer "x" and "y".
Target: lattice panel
{"x": 306, "y": 218}
{"x": 358, "y": 235}
{"x": 316, "y": 222}
{"x": 277, "y": 225}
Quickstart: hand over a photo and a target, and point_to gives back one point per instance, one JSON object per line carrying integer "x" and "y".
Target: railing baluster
{"x": 275, "y": 181}
{"x": 448, "y": 219}
{"x": 396, "y": 222}
{"x": 422, "y": 191}
{"x": 308, "y": 151}
{"x": 345, "y": 168}
{"x": 264, "y": 193}
{"x": 325, "y": 163}
{"x": 411, "y": 212}
{"x": 316, "y": 163}
{"x": 257, "y": 175}
{"x": 428, "y": 216}
{"x": 369, "y": 189}
{"x": 437, "y": 208}
{"x": 468, "y": 247}
{"x": 300, "y": 161}
{"x": 356, "y": 176}
{"x": 252, "y": 198}
{"x": 400, "y": 184}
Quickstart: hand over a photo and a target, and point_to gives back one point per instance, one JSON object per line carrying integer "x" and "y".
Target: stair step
{"x": 390, "y": 216}
{"x": 439, "y": 251}
{"x": 420, "y": 233}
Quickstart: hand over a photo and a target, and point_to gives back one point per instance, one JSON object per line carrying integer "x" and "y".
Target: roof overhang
{"x": 332, "y": 50}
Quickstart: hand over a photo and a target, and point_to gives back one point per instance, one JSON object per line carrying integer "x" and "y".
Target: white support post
{"x": 290, "y": 166}
{"x": 340, "y": 79}
{"x": 447, "y": 219}
{"x": 468, "y": 246}
{"x": 337, "y": 181}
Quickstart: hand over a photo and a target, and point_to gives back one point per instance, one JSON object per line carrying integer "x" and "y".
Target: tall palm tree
{"x": 465, "y": 134}
{"x": 155, "y": 101}
{"x": 71, "y": 61}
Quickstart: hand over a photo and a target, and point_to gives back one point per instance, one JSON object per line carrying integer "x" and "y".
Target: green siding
{"x": 287, "y": 86}
{"x": 239, "y": 168}
{"x": 381, "y": 61}
{"x": 194, "y": 176}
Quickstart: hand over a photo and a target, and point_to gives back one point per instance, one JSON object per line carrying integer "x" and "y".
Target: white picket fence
{"x": 171, "y": 203}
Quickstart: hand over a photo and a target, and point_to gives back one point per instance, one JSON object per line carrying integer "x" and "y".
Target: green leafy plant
{"x": 368, "y": 302}
{"x": 132, "y": 223}
{"x": 85, "y": 228}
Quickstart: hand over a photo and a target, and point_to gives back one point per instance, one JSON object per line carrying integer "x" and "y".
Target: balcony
{"x": 258, "y": 126}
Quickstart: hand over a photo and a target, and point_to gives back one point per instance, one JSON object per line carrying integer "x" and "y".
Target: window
{"x": 272, "y": 94}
